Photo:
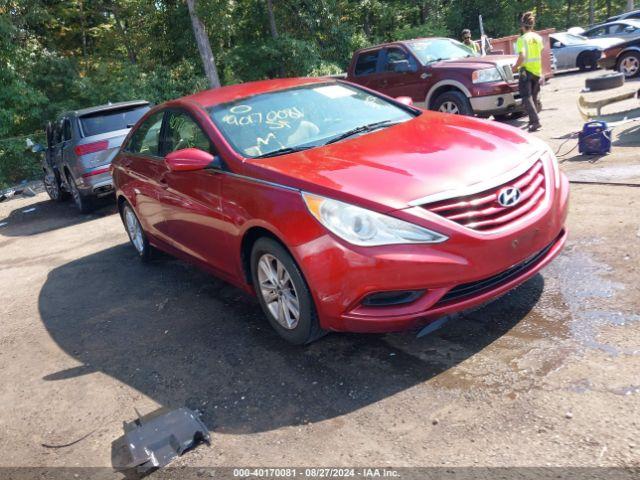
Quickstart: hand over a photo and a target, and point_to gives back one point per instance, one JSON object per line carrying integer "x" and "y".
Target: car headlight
{"x": 363, "y": 227}
{"x": 486, "y": 75}
{"x": 554, "y": 164}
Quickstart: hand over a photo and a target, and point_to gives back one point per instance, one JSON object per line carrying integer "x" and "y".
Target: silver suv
{"x": 80, "y": 147}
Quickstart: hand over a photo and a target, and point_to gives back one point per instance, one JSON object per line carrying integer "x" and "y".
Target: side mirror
{"x": 557, "y": 45}
{"x": 191, "y": 159}
{"x": 405, "y": 100}
{"x": 402, "y": 66}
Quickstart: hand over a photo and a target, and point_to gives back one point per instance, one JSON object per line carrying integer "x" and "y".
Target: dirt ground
{"x": 548, "y": 375}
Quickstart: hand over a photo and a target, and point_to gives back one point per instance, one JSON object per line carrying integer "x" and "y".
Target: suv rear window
{"x": 111, "y": 120}
{"x": 366, "y": 63}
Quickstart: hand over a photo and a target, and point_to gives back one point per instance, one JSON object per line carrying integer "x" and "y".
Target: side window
{"x": 366, "y": 63}
{"x": 146, "y": 138}
{"x": 183, "y": 132}
{"x": 66, "y": 129}
{"x": 397, "y": 61}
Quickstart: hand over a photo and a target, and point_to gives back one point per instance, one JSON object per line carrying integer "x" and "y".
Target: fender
{"x": 446, "y": 83}
{"x": 631, "y": 48}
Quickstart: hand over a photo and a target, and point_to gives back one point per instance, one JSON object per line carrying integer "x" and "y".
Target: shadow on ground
{"x": 47, "y": 215}
{"x": 184, "y": 338}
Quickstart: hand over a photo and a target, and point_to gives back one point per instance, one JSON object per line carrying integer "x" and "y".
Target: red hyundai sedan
{"x": 340, "y": 208}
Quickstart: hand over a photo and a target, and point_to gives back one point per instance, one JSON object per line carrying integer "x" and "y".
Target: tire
{"x": 279, "y": 286}
{"x": 136, "y": 233}
{"x": 629, "y": 64}
{"x": 53, "y": 186}
{"x": 453, "y": 102}
{"x": 510, "y": 116}
{"x": 587, "y": 61}
{"x": 84, "y": 203}
{"x": 605, "y": 82}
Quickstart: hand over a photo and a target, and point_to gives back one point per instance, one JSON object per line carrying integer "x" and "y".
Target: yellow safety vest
{"x": 530, "y": 45}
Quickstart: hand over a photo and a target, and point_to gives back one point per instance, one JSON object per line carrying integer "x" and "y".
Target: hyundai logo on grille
{"x": 509, "y": 196}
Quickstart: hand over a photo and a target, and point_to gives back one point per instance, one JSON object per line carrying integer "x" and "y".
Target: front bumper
{"x": 341, "y": 276}
{"x": 499, "y": 104}
{"x": 607, "y": 63}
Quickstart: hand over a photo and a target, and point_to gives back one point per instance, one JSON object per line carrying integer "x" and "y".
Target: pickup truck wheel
{"x": 453, "y": 102}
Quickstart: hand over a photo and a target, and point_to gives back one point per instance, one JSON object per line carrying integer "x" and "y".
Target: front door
{"x": 192, "y": 199}
{"x": 400, "y": 75}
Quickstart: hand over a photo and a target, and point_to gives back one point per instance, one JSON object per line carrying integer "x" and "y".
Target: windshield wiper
{"x": 362, "y": 129}
{"x": 284, "y": 151}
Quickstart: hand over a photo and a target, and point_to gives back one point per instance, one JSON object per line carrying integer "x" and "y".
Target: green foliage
{"x": 68, "y": 54}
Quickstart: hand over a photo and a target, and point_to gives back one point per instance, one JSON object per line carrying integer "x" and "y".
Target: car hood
{"x": 386, "y": 169}
{"x": 604, "y": 42}
{"x": 474, "y": 63}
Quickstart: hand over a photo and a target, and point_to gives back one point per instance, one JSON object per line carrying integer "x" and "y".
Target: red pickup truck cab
{"x": 442, "y": 73}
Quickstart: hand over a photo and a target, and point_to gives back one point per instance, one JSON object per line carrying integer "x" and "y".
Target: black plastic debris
{"x": 153, "y": 441}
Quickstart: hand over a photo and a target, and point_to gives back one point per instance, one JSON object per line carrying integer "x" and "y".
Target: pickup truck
{"x": 440, "y": 74}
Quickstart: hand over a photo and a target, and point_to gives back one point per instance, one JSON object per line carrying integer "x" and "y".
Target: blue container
{"x": 595, "y": 138}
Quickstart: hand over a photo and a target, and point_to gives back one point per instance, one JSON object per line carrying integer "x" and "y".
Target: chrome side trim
{"x": 480, "y": 186}
{"x": 255, "y": 180}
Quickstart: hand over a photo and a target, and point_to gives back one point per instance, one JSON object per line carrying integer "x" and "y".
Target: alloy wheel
{"x": 449, "y": 107}
{"x": 630, "y": 66}
{"x": 134, "y": 229}
{"x": 278, "y": 291}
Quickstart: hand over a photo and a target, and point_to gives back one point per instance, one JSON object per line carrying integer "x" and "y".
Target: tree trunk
{"x": 608, "y": 8}
{"x": 204, "y": 47}
{"x": 630, "y": 5}
{"x": 591, "y": 11}
{"x": 568, "y": 25}
{"x": 272, "y": 19}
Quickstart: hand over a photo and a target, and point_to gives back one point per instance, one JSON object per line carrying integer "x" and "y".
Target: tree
{"x": 204, "y": 47}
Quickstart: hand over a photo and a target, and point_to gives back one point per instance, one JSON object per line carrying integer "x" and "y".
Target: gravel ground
{"x": 548, "y": 375}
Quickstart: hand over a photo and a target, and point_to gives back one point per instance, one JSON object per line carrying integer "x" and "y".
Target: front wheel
{"x": 136, "y": 233}
{"x": 453, "y": 102}
{"x": 283, "y": 293}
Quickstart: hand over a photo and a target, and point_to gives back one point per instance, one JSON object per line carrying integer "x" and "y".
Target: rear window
{"x": 111, "y": 120}
{"x": 367, "y": 63}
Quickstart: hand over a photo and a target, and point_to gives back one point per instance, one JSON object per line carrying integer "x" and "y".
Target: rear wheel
{"x": 283, "y": 293}
{"x": 629, "y": 64}
{"x": 53, "y": 186}
{"x": 453, "y": 102}
{"x": 84, "y": 203}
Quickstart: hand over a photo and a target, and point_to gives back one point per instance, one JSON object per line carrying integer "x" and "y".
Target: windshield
{"x": 570, "y": 39}
{"x": 436, "y": 49}
{"x": 302, "y": 117}
{"x": 112, "y": 120}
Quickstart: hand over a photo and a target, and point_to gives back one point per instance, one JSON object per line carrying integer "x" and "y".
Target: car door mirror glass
{"x": 557, "y": 45}
{"x": 190, "y": 159}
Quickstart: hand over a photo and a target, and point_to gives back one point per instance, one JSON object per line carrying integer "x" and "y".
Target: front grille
{"x": 473, "y": 288}
{"x": 481, "y": 211}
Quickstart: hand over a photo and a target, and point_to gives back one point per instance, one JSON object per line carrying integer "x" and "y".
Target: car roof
{"x": 628, "y": 21}
{"x": 215, "y": 96}
{"x": 107, "y": 106}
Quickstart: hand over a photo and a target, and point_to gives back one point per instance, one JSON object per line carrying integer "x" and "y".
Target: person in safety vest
{"x": 466, "y": 39}
{"x": 529, "y": 49}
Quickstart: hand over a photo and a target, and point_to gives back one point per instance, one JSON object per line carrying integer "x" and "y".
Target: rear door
{"x": 192, "y": 200}
{"x": 400, "y": 75}
{"x": 145, "y": 169}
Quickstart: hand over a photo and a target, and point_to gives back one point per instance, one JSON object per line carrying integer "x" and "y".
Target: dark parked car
{"x": 624, "y": 57}
{"x": 442, "y": 73}
{"x": 80, "y": 147}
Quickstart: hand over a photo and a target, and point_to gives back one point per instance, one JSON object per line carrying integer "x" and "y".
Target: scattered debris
{"x": 568, "y": 415}
{"x": 29, "y": 210}
{"x": 155, "y": 440}
{"x": 64, "y": 445}
{"x": 434, "y": 421}
{"x": 433, "y": 326}
{"x": 2, "y": 224}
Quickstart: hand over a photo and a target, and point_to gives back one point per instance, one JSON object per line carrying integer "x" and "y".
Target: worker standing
{"x": 529, "y": 64}
{"x": 466, "y": 39}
